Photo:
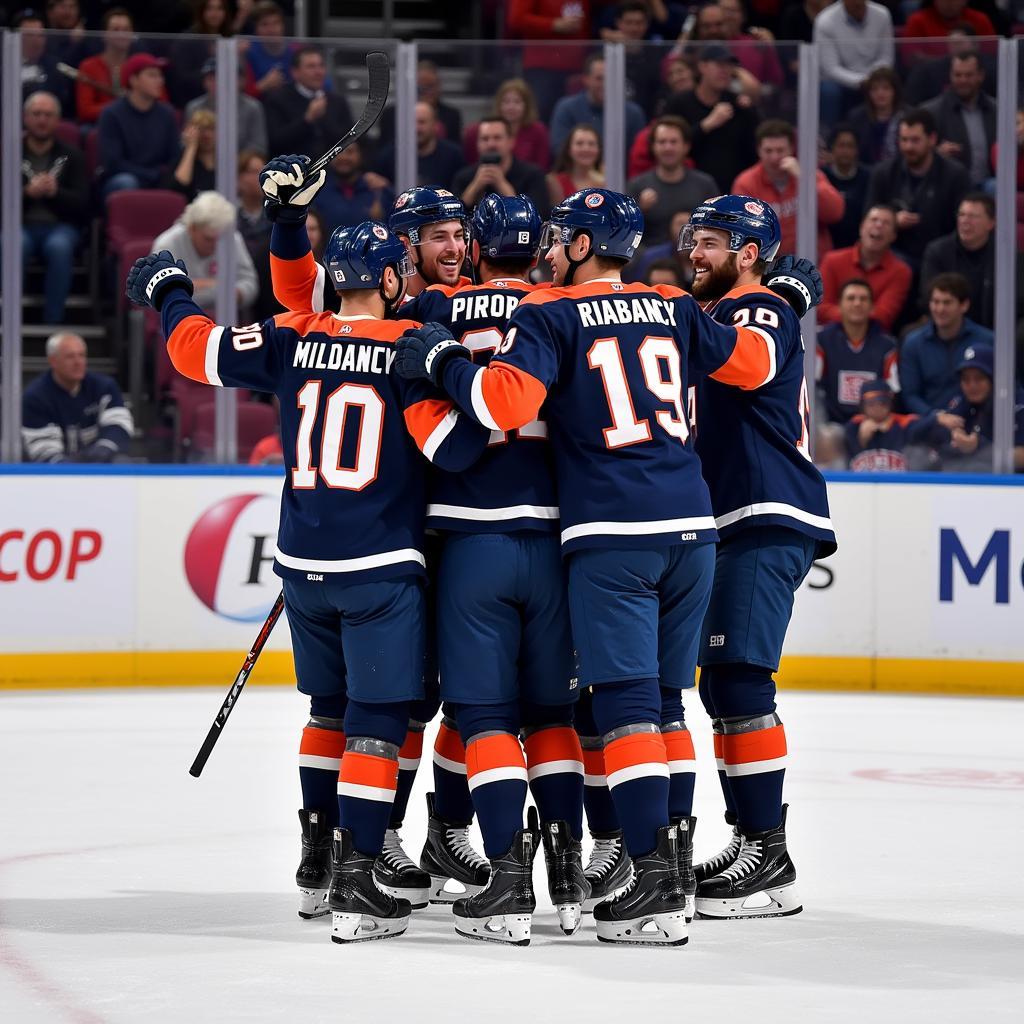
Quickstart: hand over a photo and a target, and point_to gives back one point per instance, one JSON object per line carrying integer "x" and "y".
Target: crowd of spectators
{"x": 904, "y": 186}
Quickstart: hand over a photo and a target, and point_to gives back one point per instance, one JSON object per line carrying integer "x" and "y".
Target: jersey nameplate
{"x": 339, "y": 355}
{"x": 601, "y": 312}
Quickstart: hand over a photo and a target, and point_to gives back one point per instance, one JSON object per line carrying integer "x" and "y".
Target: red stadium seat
{"x": 69, "y": 133}
{"x": 91, "y": 147}
{"x": 255, "y": 421}
{"x": 134, "y": 214}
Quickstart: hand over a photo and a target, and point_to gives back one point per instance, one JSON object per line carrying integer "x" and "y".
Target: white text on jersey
{"x": 641, "y": 310}
{"x": 496, "y": 306}
{"x": 338, "y": 355}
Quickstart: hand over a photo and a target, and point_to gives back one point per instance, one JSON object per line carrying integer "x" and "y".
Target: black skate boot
{"x": 721, "y": 860}
{"x": 608, "y": 870}
{"x": 396, "y": 874}
{"x": 359, "y": 910}
{"x": 314, "y": 874}
{"x": 652, "y": 910}
{"x": 687, "y": 826}
{"x": 760, "y": 882}
{"x": 503, "y": 910}
{"x": 448, "y": 856}
{"x": 567, "y": 885}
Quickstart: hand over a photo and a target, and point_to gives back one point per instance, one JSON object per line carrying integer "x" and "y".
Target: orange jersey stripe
{"x": 639, "y": 748}
{"x": 593, "y": 762}
{"x": 369, "y": 770}
{"x": 679, "y": 745}
{"x": 413, "y": 745}
{"x": 561, "y": 744}
{"x": 449, "y": 744}
{"x": 750, "y": 363}
{"x": 489, "y": 752}
{"x": 512, "y": 396}
{"x": 322, "y": 742}
{"x": 422, "y": 419}
{"x": 763, "y": 745}
{"x": 293, "y": 281}
{"x": 187, "y": 347}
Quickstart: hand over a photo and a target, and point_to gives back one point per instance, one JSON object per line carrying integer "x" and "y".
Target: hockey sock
{"x": 635, "y": 760}
{"x": 708, "y": 676}
{"x": 496, "y": 772}
{"x": 723, "y": 778}
{"x": 597, "y": 798}
{"x": 369, "y": 771}
{"x": 452, "y": 801}
{"x": 754, "y": 751}
{"x": 408, "y": 761}
{"x": 554, "y": 761}
{"x": 320, "y": 751}
{"x": 682, "y": 762}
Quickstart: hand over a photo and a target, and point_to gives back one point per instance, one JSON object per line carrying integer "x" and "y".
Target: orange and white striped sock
{"x": 366, "y": 790}
{"x": 754, "y": 754}
{"x": 320, "y": 752}
{"x": 409, "y": 756}
{"x": 554, "y": 760}
{"x": 496, "y": 772}
{"x": 451, "y": 794}
{"x": 682, "y": 768}
{"x": 636, "y": 766}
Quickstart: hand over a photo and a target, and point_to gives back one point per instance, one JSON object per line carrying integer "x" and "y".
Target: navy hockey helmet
{"x": 507, "y": 228}
{"x": 415, "y": 208}
{"x": 612, "y": 220}
{"x": 356, "y": 257}
{"x": 745, "y": 218}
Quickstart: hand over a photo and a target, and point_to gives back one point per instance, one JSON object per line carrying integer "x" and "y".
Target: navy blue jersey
{"x": 843, "y": 367}
{"x": 512, "y": 486}
{"x": 753, "y": 443}
{"x": 355, "y": 484}
{"x": 613, "y": 359}
{"x": 883, "y": 452}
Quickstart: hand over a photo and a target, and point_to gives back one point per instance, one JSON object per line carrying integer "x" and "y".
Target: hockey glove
{"x": 288, "y": 193}
{"x": 424, "y": 352}
{"x": 797, "y": 281}
{"x": 154, "y": 276}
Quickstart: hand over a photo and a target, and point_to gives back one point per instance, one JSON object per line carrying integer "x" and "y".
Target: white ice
{"x": 131, "y": 892}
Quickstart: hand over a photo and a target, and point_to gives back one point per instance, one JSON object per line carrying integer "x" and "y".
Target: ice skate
{"x": 609, "y": 869}
{"x": 313, "y": 876}
{"x": 455, "y": 868}
{"x": 567, "y": 885}
{"x": 760, "y": 882}
{"x": 652, "y": 910}
{"x": 503, "y": 910}
{"x": 396, "y": 874}
{"x": 721, "y": 860}
{"x": 359, "y": 910}
{"x": 687, "y": 826}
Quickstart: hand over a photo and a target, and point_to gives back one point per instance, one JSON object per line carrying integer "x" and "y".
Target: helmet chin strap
{"x": 391, "y": 304}
{"x": 573, "y": 264}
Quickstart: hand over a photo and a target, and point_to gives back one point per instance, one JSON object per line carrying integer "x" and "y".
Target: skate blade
{"x": 417, "y": 897}
{"x": 570, "y": 916}
{"x": 448, "y": 890}
{"x": 653, "y": 930}
{"x": 508, "y": 929}
{"x": 313, "y": 903}
{"x": 780, "y": 901}
{"x": 365, "y": 927}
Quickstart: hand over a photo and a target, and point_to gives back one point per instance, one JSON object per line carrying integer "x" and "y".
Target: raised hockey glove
{"x": 797, "y": 281}
{"x": 424, "y": 352}
{"x": 154, "y": 276}
{"x": 288, "y": 193}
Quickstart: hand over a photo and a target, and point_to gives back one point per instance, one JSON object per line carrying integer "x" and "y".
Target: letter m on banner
{"x": 952, "y": 550}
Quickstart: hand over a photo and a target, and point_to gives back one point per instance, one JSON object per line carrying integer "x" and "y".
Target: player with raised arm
{"x": 771, "y": 510}
{"x": 610, "y": 361}
{"x": 350, "y": 540}
{"x": 432, "y": 224}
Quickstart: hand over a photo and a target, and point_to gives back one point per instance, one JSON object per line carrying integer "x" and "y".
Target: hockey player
{"x": 350, "y": 541}
{"x": 771, "y": 510}
{"x": 636, "y": 523}
{"x": 432, "y": 224}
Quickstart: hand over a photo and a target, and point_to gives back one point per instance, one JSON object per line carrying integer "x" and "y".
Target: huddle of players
{"x": 630, "y": 590}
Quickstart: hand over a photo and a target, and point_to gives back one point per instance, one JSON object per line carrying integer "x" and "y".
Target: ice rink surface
{"x": 131, "y": 892}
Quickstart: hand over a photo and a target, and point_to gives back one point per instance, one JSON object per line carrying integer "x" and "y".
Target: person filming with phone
{"x": 499, "y": 171}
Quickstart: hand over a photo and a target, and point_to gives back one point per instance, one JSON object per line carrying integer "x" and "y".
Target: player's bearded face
{"x": 715, "y": 273}
{"x": 442, "y": 252}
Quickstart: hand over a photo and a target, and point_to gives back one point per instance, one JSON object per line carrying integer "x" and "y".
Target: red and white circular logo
{"x": 594, "y": 200}
{"x": 401, "y": 200}
{"x": 754, "y": 208}
{"x": 380, "y": 232}
{"x": 229, "y": 557}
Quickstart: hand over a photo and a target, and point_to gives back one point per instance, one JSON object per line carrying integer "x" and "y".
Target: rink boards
{"x": 162, "y": 576}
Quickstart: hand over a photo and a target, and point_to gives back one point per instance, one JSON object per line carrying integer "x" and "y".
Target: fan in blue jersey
{"x": 350, "y": 540}
{"x": 771, "y": 510}
{"x": 611, "y": 362}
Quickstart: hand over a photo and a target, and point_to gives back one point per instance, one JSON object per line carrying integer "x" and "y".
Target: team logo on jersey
{"x": 229, "y": 556}
{"x": 345, "y": 329}
{"x": 718, "y": 640}
{"x": 594, "y": 200}
{"x": 755, "y": 209}
{"x": 380, "y": 232}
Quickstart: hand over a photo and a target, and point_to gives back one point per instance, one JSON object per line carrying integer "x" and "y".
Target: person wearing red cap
{"x": 138, "y": 135}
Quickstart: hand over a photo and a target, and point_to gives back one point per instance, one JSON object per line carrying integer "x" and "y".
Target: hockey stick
{"x": 379, "y": 70}
{"x": 236, "y": 688}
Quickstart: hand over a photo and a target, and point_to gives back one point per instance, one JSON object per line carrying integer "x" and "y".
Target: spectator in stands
{"x": 871, "y": 259}
{"x": 579, "y": 164}
{"x": 990, "y": 185}
{"x": 926, "y": 78}
{"x": 664, "y": 272}
{"x": 935, "y": 19}
{"x": 269, "y": 55}
{"x": 38, "y": 67}
{"x": 498, "y": 170}
{"x": 924, "y": 187}
{"x": 428, "y": 89}
{"x": 643, "y": 72}
{"x": 302, "y": 117}
{"x": 877, "y": 439}
{"x": 796, "y": 23}
{"x": 65, "y": 17}
{"x": 71, "y": 414}
{"x": 193, "y": 238}
{"x": 197, "y": 169}
{"x": 54, "y": 200}
{"x": 670, "y": 186}
{"x": 930, "y": 354}
{"x": 437, "y": 160}
{"x": 754, "y": 48}
{"x": 99, "y": 77}
{"x": 587, "y": 107}
{"x": 189, "y": 54}
{"x": 662, "y": 252}
{"x": 138, "y": 135}
{"x": 851, "y": 351}
{"x": 679, "y": 75}
{"x": 965, "y": 118}
{"x": 352, "y": 194}
{"x": 547, "y": 67}
{"x": 854, "y": 37}
{"x": 964, "y": 431}
{"x": 851, "y": 179}
{"x": 775, "y": 178}
{"x": 316, "y": 234}
{"x": 255, "y": 228}
{"x": 876, "y": 121}
{"x": 515, "y": 102}
{"x": 709, "y": 28}
{"x": 250, "y": 122}
{"x": 723, "y": 124}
